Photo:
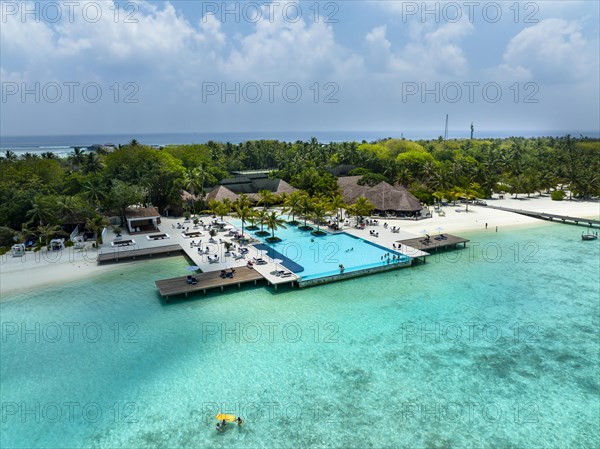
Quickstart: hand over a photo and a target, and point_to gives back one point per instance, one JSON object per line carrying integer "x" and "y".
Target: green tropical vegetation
{"x": 42, "y": 195}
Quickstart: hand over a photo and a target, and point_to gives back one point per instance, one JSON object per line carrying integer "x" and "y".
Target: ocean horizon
{"x": 62, "y": 144}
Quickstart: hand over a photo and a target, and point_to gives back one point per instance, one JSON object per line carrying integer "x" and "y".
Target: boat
{"x": 589, "y": 236}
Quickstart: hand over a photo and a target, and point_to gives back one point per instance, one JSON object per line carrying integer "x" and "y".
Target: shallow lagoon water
{"x": 495, "y": 345}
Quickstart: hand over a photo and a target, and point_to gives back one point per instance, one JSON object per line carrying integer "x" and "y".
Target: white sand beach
{"x": 477, "y": 216}
{"x": 47, "y": 268}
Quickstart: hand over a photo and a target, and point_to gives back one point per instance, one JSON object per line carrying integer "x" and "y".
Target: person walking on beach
{"x": 486, "y": 226}
{"x": 496, "y": 228}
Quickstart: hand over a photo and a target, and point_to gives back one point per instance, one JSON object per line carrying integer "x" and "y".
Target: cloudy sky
{"x": 93, "y": 67}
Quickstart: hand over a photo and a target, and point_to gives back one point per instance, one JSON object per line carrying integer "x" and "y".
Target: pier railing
{"x": 590, "y": 222}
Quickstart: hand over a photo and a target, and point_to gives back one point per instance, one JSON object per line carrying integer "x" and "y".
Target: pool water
{"x": 321, "y": 256}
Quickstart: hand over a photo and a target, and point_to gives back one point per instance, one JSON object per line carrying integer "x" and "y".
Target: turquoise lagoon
{"x": 496, "y": 345}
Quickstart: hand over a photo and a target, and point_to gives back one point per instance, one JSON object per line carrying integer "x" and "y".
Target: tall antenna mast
{"x": 472, "y": 130}
{"x": 446, "y": 129}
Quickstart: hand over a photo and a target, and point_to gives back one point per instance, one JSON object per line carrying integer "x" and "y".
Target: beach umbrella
{"x": 192, "y": 268}
{"x": 439, "y": 229}
{"x": 277, "y": 261}
{"x": 424, "y": 231}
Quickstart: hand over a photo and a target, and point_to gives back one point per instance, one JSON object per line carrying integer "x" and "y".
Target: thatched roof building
{"x": 219, "y": 193}
{"x": 384, "y": 196}
{"x": 252, "y": 183}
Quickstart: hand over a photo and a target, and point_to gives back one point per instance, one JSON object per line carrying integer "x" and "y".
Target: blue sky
{"x": 152, "y": 66}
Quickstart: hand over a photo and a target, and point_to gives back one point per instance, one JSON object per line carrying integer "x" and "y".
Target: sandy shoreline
{"x": 19, "y": 274}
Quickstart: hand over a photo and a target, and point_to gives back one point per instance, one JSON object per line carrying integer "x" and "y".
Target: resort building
{"x": 385, "y": 197}
{"x": 249, "y": 183}
{"x": 219, "y": 193}
{"x": 142, "y": 219}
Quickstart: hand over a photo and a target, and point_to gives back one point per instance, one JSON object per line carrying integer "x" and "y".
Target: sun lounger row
{"x": 281, "y": 273}
{"x": 192, "y": 280}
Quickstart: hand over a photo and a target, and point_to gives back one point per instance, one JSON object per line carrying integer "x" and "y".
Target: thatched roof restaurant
{"x": 385, "y": 197}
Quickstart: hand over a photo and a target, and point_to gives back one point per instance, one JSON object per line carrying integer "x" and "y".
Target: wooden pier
{"x": 122, "y": 253}
{"x": 588, "y": 222}
{"x": 421, "y": 243}
{"x": 206, "y": 281}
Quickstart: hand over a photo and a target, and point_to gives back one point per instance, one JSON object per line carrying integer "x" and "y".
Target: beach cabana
{"x": 142, "y": 219}
{"x": 18, "y": 250}
{"x": 56, "y": 244}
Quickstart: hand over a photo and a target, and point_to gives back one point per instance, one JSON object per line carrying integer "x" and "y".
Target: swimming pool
{"x": 321, "y": 256}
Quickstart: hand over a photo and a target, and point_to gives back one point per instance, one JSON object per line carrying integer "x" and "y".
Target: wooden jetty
{"x": 421, "y": 243}
{"x": 588, "y": 222}
{"x": 206, "y": 281}
{"x": 121, "y": 253}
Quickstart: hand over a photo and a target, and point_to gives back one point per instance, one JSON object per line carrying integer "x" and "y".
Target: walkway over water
{"x": 207, "y": 281}
{"x": 114, "y": 254}
{"x": 551, "y": 217}
{"x": 435, "y": 242}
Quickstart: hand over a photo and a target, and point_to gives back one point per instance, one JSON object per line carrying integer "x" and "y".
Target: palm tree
{"x": 96, "y": 224}
{"x": 93, "y": 164}
{"x": 281, "y": 198}
{"x": 305, "y": 208}
{"x": 192, "y": 182}
{"x": 243, "y": 200}
{"x": 454, "y": 193}
{"x": 227, "y": 203}
{"x": 243, "y": 213}
{"x": 10, "y": 155}
{"x": 336, "y": 203}
{"x": 292, "y": 205}
{"x": 262, "y": 216}
{"x": 253, "y": 219}
{"x": 77, "y": 158}
{"x": 133, "y": 143}
{"x": 42, "y": 211}
{"x": 362, "y": 207}
{"x": 93, "y": 191}
{"x": 221, "y": 210}
{"x": 273, "y": 222}
{"x": 266, "y": 197}
{"x": 319, "y": 210}
{"x": 66, "y": 208}
{"x": 44, "y": 232}
{"x": 212, "y": 206}
{"x": 203, "y": 177}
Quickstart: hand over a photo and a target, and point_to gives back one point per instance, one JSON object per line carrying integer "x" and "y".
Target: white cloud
{"x": 553, "y": 50}
{"x": 284, "y": 50}
{"x": 433, "y": 54}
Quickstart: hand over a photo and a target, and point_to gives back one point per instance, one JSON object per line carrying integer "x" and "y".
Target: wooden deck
{"x": 206, "y": 281}
{"x": 451, "y": 241}
{"x": 589, "y": 222}
{"x": 115, "y": 254}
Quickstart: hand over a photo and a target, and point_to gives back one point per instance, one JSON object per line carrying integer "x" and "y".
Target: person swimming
{"x": 239, "y": 421}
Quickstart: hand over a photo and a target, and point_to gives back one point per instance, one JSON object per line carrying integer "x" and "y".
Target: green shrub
{"x": 558, "y": 195}
{"x": 7, "y": 236}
